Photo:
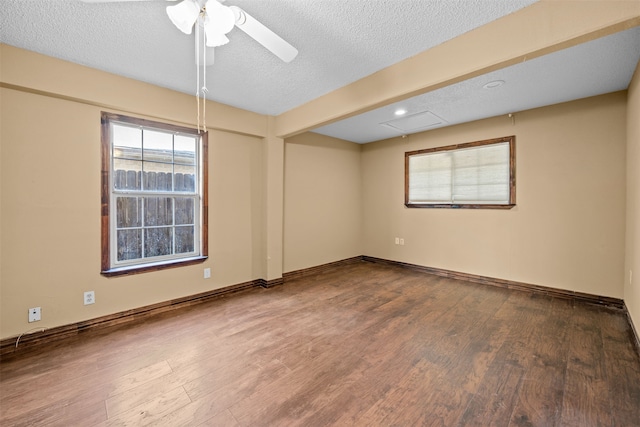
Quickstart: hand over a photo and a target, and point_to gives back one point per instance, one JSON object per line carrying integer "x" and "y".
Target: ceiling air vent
{"x": 415, "y": 122}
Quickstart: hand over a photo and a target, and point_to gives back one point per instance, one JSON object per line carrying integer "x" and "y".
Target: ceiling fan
{"x": 218, "y": 20}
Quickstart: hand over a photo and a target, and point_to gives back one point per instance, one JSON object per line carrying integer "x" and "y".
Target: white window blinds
{"x": 475, "y": 175}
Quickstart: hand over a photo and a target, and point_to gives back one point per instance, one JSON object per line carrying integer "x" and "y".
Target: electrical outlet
{"x": 89, "y": 297}
{"x": 401, "y": 242}
{"x": 207, "y": 273}
{"x": 34, "y": 314}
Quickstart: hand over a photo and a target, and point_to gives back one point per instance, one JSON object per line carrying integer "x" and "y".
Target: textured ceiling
{"x": 340, "y": 41}
{"x": 601, "y": 66}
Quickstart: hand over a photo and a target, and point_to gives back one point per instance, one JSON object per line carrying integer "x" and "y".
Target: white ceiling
{"x": 601, "y": 66}
{"x": 340, "y": 41}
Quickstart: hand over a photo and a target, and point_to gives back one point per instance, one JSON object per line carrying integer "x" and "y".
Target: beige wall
{"x": 273, "y": 200}
{"x": 567, "y": 230}
{"x": 323, "y": 202}
{"x": 632, "y": 260}
{"x": 50, "y": 199}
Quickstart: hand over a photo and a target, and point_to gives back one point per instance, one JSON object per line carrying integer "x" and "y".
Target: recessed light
{"x": 493, "y": 84}
{"x": 400, "y": 112}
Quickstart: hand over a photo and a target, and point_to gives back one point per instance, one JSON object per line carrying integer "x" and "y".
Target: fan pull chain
{"x": 197, "y": 46}
{"x": 204, "y": 82}
{"x": 201, "y": 45}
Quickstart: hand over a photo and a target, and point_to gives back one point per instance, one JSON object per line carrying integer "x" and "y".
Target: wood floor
{"x": 363, "y": 344}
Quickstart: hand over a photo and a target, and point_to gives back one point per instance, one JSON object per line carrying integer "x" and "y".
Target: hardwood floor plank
{"x": 285, "y": 398}
{"x": 362, "y": 344}
{"x": 465, "y": 351}
{"x": 621, "y": 364}
{"x": 496, "y": 398}
{"x": 408, "y": 392}
{"x": 141, "y": 376}
{"x": 302, "y": 408}
{"x": 440, "y": 406}
{"x": 539, "y": 398}
{"x": 149, "y": 390}
{"x": 586, "y": 348}
{"x": 541, "y": 394}
{"x": 586, "y": 398}
{"x": 202, "y": 412}
{"x": 351, "y": 401}
{"x": 81, "y": 411}
{"x": 585, "y": 402}
{"x": 152, "y": 411}
{"x": 229, "y": 384}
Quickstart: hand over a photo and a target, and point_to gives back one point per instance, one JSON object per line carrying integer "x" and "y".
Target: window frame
{"x": 512, "y": 175}
{"x": 108, "y": 268}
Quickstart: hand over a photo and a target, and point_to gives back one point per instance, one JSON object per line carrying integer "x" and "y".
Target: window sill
{"x": 453, "y": 206}
{"x": 156, "y": 266}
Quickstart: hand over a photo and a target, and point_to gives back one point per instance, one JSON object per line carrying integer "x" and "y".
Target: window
{"x": 154, "y": 195}
{"x": 473, "y": 175}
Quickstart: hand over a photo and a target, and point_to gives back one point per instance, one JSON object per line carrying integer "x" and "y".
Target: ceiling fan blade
{"x": 263, "y": 35}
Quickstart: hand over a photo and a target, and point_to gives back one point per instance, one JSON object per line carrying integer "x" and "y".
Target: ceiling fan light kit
{"x": 221, "y": 18}
{"x": 184, "y": 14}
{"x": 213, "y": 21}
{"x": 214, "y": 39}
{"x": 217, "y": 20}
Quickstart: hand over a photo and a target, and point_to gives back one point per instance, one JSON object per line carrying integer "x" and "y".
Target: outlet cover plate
{"x": 34, "y": 314}
{"x": 89, "y": 297}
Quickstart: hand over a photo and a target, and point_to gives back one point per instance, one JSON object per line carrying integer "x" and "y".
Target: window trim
{"x": 512, "y": 175}
{"x": 105, "y": 183}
